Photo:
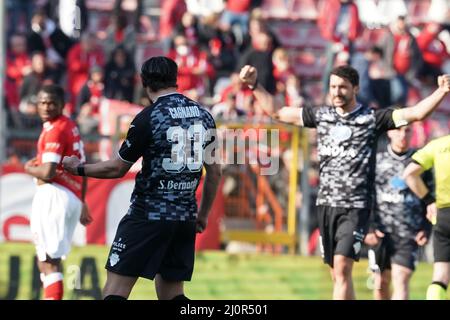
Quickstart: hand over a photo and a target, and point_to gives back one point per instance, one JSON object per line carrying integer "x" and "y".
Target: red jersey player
{"x": 58, "y": 204}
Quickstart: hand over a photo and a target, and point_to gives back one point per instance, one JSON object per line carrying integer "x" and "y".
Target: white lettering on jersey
{"x": 184, "y": 112}
{"x": 337, "y": 151}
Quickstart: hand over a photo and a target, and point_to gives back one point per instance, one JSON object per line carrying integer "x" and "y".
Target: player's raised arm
{"x": 425, "y": 107}
{"x": 248, "y": 75}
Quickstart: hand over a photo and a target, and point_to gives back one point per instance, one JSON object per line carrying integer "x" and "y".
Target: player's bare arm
{"x": 43, "y": 172}
{"x": 110, "y": 169}
{"x": 415, "y": 183}
{"x": 425, "y": 107}
{"x": 212, "y": 179}
{"x": 248, "y": 75}
{"x": 85, "y": 217}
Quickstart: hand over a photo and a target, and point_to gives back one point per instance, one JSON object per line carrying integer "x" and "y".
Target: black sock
{"x": 114, "y": 297}
{"x": 180, "y": 297}
{"x": 441, "y": 284}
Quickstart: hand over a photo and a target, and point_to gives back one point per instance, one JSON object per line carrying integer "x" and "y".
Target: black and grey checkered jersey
{"x": 397, "y": 209}
{"x": 346, "y": 150}
{"x": 171, "y": 136}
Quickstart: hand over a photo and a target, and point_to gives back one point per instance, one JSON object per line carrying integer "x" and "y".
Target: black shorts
{"x": 441, "y": 236}
{"x": 144, "y": 248}
{"x": 393, "y": 249}
{"x": 342, "y": 232}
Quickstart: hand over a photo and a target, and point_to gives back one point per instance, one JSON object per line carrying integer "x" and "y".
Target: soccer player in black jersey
{"x": 156, "y": 237}
{"x": 399, "y": 225}
{"x": 347, "y": 134}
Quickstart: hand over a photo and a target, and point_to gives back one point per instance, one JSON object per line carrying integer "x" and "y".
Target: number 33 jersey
{"x": 171, "y": 135}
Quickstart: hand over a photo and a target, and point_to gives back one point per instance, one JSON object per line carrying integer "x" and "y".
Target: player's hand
{"x": 248, "y": 75}
{"x": 444, "y": 83}
{"x": 421, "y": 238}
{"x": 288, "y": 114}
{"x": 85, "y": 217}
{"x": 30, "y": 163}
{"x": 201, "y": 223}
{"x": 373, "y": 238}
{"x": 432, "y": 213}
{"x": 70, "y": 164}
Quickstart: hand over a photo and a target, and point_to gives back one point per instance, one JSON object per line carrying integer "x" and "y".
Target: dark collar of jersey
{"x": 166, "y": 95}
{"x": 354, "y": 111}
{"x": 399, "y": 156}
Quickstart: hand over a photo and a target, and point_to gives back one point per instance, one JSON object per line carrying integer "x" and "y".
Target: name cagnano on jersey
{"x": 346, "y": 150}
{"x": 171, "y": 136}
{"x": 397, "y": 209}
{"x": 59, "y": 138}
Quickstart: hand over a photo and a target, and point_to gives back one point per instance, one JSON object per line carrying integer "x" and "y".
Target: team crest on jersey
{"x": 362, "y": 119}
{"x": 340, "y": 133}
{"x": 113, "y": 259}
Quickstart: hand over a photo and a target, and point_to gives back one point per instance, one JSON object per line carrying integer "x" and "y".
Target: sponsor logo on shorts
{"x": 357, "y": 247}
{"x": 359, "y": 237}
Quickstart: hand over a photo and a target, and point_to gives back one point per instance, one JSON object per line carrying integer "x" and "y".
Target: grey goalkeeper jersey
{"x": 346, "y": 149}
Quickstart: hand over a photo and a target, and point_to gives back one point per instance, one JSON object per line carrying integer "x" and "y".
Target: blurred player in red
{"x": 58, "y": 204}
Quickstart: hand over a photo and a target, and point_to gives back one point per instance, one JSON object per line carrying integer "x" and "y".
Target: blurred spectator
{"x": 374, "y": 78}
{"x": 339, "y": 23}
{"x": 88, "y": 102}
{"x": 257, "y": 25}
{"x": 379, "y": 13}
{"x": 287, "y": 84}
{"x": 193, "y": 67}
{"x": 282, "y": 68}
{"x": 70, "y": 15}
{"x": 208, "y": 29}
{"x": 260, "y": 56}
{"x": 119, "y": 32}
{"x": 18, "y": 65}
{"x": 433, "y": 50}
{"x": 47, "y": 37}
{"x": 227, "y": 110}
{"x": 241, "y": 92}
{"x": 222, "y": 56}
{"x": 294, "y": 95}
{"x": 236, "y": 13}
{"x": 38, "y": 76}
{"x": 402, "y": 54}
{"x": 20, "y": 13}
{"x": 188, "y": 26}
{"x": 141, "y": 10}
{"x": 82, "y": 56}
{"x": 171, "y": 12}
{"x": 120, "y": 76}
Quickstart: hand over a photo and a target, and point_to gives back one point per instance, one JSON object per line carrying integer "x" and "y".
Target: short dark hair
{"x": 348, "y": 73}
{"x": 56, "y": 91}
{"x": 159, "y": 73}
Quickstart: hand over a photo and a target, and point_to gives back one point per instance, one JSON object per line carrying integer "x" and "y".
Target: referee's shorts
{"x": 441, "y": 237}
